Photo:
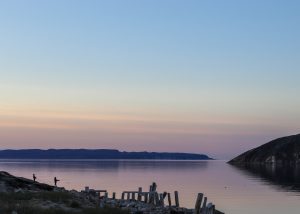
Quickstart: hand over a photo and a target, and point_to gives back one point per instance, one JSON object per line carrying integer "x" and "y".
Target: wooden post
{"x": 105, "y": 195}
{"x": 146, "y": 197}
{"x": 169, "y": 199}
{"x": 203, "y": 210}
{"x": 161, "y": 199}
{"x": 114, "y": 195}
{"x": 176, "y": 199}
{"x": 150, "y": 198}
{"x": 140, "y": 194}
{"x": 157, "y": 202}
{"x": 198, "y": 203}
{"x": 133, "y": 196}
{"x": 123, "y": 195}
{"x": 150, "y": 194}
{"x": 209, "y": 208}
{"x": 154, "y": 186}
{"x": 150, "y": 188}
{"x": 213, "y": 209}
{"x": 128, "y": 196}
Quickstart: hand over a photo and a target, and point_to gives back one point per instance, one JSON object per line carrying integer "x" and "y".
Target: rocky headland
{"x": 285, "y": 150}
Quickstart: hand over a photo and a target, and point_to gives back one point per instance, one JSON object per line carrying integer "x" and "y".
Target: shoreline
{"x": 69, "y": 201}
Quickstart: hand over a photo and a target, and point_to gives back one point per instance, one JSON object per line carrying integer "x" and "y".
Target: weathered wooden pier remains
{"x": 153, "y": 198}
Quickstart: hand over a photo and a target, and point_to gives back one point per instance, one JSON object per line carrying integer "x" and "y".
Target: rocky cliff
{"x": 285, "y": 150}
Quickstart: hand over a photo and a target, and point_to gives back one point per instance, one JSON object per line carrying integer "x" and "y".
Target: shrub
{"x": 75, "y": 204}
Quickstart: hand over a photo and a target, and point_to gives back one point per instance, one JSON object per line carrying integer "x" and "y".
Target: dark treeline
{"x": 95, "y": 154}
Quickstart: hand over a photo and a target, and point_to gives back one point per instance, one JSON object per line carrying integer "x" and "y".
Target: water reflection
{"x": 285, "y": 177}
{"x": 111, "y": 165}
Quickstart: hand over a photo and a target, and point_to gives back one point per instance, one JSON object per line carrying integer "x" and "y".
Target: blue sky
{"x": 226, "y": 72}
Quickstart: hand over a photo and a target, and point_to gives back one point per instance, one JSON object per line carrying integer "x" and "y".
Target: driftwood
{"x": 158, "y": 199}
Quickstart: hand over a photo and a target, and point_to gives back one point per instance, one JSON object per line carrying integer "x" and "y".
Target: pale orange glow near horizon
{"x": 25, "y": 128}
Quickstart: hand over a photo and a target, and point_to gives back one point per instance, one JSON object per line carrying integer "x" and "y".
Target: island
{"x": 96, "y": 154}
{"x": 284, "y": 150}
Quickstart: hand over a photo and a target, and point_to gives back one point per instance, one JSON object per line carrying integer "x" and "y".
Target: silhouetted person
{"x": 34, "y": 177}
{"x": 55, "y": 181}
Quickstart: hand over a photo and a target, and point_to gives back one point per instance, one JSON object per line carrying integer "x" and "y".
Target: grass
{"x": 55, "y": 196}
{"x": 75, "y": 204}
{"x": 51, "y": 196}
{"x": 33, "y": 210}
{"x": 20, "y": 202}
{"x": 25, "y": 209}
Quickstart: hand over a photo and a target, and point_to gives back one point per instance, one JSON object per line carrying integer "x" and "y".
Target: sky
{"x": 215, "y": 77}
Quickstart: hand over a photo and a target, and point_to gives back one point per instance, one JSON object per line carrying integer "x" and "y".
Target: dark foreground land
{"x": 24, "y": 196}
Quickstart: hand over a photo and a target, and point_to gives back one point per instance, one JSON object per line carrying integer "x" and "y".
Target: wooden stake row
{"x": 158, "y": 199}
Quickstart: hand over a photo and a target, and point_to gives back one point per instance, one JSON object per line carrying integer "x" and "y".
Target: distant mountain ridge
{"x": 95, "y": 154}
{"x": 285, "y": 150}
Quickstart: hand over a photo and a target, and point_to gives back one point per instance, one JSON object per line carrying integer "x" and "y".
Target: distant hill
{"x": 95, "y": 154}
{"x": 285, "y": 150}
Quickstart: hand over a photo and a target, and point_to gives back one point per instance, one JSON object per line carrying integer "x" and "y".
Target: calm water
{"x": 233, "y": 190}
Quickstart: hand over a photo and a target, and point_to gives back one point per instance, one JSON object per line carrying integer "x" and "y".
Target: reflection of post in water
{"x": 285, "y": 176}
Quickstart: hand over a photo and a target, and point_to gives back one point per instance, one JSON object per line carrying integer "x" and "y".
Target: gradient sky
{"x": 214, "y": 77}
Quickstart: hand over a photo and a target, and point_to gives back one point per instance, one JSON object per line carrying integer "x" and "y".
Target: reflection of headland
{"x": 286, "y": 177}
{"x": 107, "y": 165}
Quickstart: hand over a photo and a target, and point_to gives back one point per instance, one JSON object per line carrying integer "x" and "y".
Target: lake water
{"x": 262, "y": 190}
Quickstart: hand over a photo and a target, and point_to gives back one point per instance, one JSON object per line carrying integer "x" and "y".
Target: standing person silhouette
{"x": 34, "y": 177}
{"x": 55, "y": 181}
